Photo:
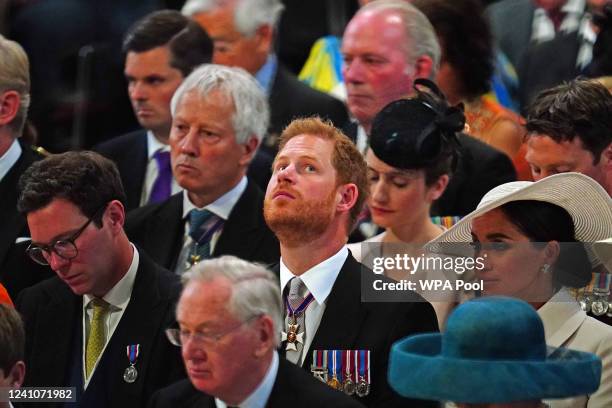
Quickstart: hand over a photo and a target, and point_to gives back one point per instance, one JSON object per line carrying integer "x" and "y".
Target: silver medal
{"x": 130, "y": 374}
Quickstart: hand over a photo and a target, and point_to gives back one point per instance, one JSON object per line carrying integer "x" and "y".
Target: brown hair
{"x": 349, "y": 164}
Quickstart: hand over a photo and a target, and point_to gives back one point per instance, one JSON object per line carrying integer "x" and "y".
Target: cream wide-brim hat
{"x": 583, "y": 198}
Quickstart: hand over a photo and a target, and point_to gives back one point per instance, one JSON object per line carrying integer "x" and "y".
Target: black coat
{"x": 348, "y": 323}
{"x": 160, "y": 228}
{"x": 17, "y": 270}
{"x": 292, "y": 388}
{"x": 53, "y": 317}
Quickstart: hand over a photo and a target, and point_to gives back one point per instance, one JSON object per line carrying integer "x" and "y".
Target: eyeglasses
{"x": 179, "y": 337}
{"x": 64, "y": 248}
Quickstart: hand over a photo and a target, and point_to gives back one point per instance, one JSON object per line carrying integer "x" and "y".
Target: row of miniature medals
{"x": 343, "y": 370}
{"x": 595, "y": 297}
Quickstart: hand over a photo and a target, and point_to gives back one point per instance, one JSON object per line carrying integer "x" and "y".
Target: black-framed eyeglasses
{"x": 64, "y": 248}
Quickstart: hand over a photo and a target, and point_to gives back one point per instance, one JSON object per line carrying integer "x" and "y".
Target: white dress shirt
{"x": 319, "y": 281}
{"x": 221, "y": 207}
{"x": 153, "y": 146}
{"x": 9, "y": 158}
{"x": 118, "y": 298}
{"x": 259, "y": 397}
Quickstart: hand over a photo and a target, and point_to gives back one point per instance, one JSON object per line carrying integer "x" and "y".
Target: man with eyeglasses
{"x": 229, "y": 317}
{"x": 98, "y": 325}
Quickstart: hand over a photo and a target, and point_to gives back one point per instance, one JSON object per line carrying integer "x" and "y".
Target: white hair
{"x": 251, "y": 113}
{"x": 249, "y": 15}
{"x": 420, "y": 34}
{"x": 15, "y": 76}
{"x": 255, "y": 290}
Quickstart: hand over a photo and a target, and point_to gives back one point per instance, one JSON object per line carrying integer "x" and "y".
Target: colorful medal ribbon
{"x": 348, "y": 385}
{"x": 300, "y": 308}
{"x": 363, "y": 386}
{"x": 130, "y": 374}
{"x": 335, "y": 369}
{"x": 319, "y": 365}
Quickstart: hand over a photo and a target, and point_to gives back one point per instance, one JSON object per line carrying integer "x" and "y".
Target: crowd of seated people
{"x": 204, "y": 259}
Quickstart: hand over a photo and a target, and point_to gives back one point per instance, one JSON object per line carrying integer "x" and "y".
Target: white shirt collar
{"x": 153, "y": 145}
{"x": 119, "y": 295}
{"x": 259, "y": 397}
{"x": 320, "y": 278}
{"x": 9, "y": 158}
{"x": 222, "y": 206}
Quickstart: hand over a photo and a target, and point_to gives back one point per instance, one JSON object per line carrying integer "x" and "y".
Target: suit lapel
{"x": 133, "y": 329}
{"x": 240, "y": 229}
{"x": 58, "y": 323}
{"x": 13, "y": 223}
{"x": 343, "y": 315}
{"x": 134, "y": 171}
{"x": 165, "y": 232}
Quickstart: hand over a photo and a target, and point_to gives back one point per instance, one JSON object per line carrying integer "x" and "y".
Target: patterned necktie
{"x": 97, "y": 335}
{"x": 295, "y": 298}
{"x": 202, "y": 226}
{"x": 162, "y": 187}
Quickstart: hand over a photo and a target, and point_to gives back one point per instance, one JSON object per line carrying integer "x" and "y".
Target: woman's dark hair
{"x": 465, "y": 39}
{"x": 543, "y": 222}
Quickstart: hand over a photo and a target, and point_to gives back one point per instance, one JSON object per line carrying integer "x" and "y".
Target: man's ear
{"x": 424, "y": 67}
{"x": 115, "y": 214}
{"x": 249, "y": 149}
{"x": 265, "y": 36}
{"x": 16, "y": 374}
{"x": 348, "y": 194}
{"x": 9, "y": 106}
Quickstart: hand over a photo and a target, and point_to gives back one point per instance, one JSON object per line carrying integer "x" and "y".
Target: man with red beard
{"x": 317, "y": 190}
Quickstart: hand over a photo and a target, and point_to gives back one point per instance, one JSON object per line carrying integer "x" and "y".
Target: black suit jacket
{"x": 480, "y": 168}
{"x": 160, "y": 228}
{"x": 348, "y": 323}
{"x": 290, "y": 99}
{"x": 17, "y": 271}
{"x": 292, "y": 388}
{"x": 130, "y": 154}
{"x": 53, "y": 321}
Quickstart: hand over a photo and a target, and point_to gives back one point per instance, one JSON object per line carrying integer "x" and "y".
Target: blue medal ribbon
{"x": 132, "y": 352}
{"x": 300, "y": 308}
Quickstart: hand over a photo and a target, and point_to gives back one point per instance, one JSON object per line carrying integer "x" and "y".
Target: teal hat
{"x": 493, "y": 351}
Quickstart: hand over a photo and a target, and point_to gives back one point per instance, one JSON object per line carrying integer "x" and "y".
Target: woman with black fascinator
{"x": 413, "y": 148}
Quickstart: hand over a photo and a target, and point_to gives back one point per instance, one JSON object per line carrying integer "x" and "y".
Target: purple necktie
{"x": 163, "y": 183}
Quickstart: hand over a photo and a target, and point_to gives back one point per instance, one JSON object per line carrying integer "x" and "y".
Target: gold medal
{"x": 334, "y": 383}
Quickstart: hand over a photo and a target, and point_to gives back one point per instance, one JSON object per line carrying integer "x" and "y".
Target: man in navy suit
{"x": 220, "y": 116}
{"x": 161, "y": 50}
{"x": 229, "y": 318}
{"x": 99, "y": 324}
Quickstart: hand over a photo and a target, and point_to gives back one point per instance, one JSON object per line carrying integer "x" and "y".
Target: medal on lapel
{"x": 363, "y": 386}
{"x": 130, "y": 374}
{"x": 319, "y": 365}
{"x": 348, "y": 386}
{"x": 335, "y": 369}
{"x": 292, "y": 335}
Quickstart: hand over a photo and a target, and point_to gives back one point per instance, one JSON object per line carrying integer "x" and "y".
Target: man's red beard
{"x": 298, "y": 221}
